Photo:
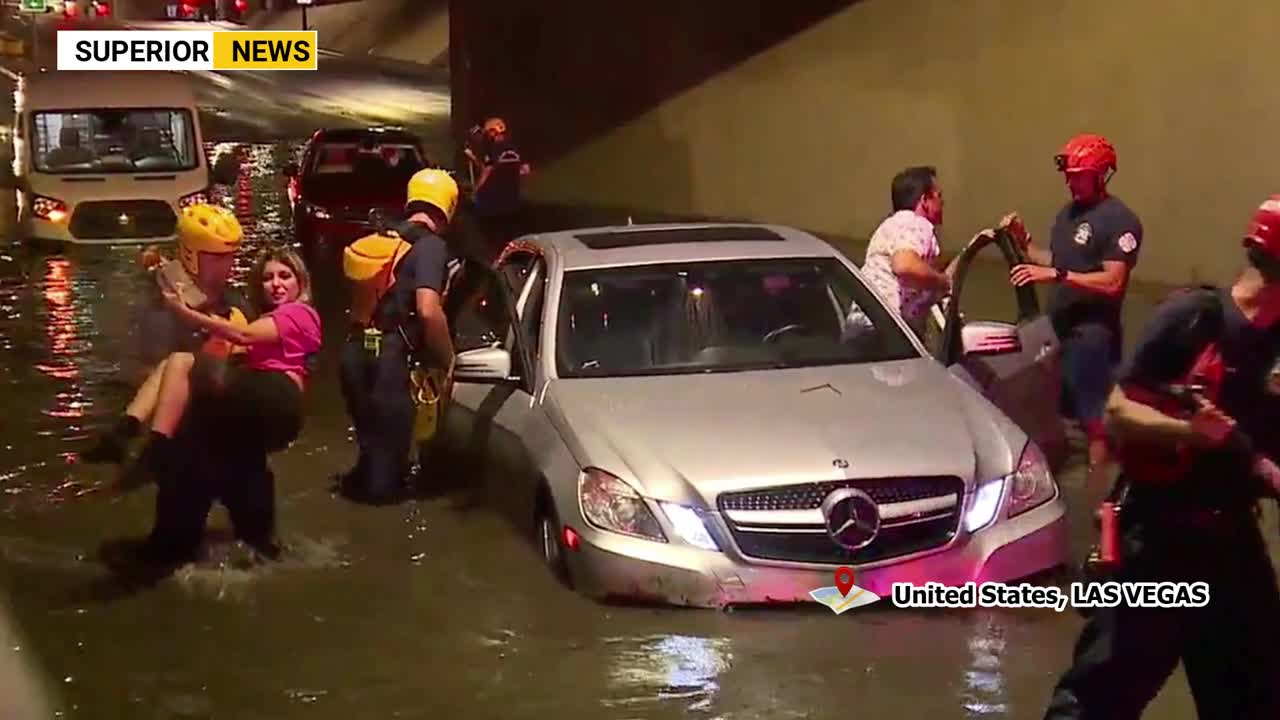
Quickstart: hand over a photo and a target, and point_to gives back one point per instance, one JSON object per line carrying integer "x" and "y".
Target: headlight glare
{"x": 689, "y": 525}
{"x": 986, "y": 502}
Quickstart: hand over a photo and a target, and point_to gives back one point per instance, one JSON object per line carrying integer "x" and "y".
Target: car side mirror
{"x": 483, "y": 365}
{"x": 990, "y": 338}
{"x": 225, "y": 170}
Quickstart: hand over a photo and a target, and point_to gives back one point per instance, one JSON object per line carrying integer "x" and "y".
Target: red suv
{"x": 345, "y": 173}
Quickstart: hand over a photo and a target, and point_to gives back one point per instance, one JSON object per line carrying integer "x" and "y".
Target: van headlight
{"x": 610, "y": 504}
{"x": 47, "y": 208}
{"x": 689, "y": 525}
{"x": 195, "y": 198}
{"x": 1032, "y": 485}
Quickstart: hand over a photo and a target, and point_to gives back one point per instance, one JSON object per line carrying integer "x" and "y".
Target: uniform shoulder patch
{"x": 1127, "y": 242}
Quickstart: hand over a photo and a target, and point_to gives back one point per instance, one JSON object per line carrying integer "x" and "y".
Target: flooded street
{"x": 432, "y": 608}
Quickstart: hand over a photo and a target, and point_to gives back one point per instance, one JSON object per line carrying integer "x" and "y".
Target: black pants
{"x": 1229, "y": 648}
{"x": 220, "y": 455}
{"x": 377, "y": 392}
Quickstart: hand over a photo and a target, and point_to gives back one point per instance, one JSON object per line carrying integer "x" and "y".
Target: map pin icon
{"x": 844, "y": 579}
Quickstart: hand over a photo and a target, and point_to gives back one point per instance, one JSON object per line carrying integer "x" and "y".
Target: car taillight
{"x": 242, "y": 5}
{"x": 48, "y": 209}
{"x": 103, "y": 9}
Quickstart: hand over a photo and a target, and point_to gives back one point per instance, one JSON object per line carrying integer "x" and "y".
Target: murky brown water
{"x": 429, "y": 609}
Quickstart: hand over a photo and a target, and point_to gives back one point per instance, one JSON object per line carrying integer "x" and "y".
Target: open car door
{"x": 1016, "y": 365}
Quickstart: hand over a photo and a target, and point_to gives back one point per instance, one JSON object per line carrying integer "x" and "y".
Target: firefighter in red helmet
{"x": 1196, "y": 467}
{"x": 1093, "y": 246}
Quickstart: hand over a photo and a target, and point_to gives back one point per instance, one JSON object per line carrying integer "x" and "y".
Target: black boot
{"x": 113, "y": 445}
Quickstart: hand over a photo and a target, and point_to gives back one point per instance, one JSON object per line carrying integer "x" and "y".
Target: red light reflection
{"x": 61, "y": 327}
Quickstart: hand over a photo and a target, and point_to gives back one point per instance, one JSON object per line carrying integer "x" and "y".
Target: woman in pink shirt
{"x": 259, "y": 397}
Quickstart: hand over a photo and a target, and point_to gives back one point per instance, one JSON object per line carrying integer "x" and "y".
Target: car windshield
{"x": 114, "y": 141}
{"x": 720, "y": 317}
{"x": 342, "y": 163}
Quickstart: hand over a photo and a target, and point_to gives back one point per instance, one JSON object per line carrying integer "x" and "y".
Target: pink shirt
{"x": 299, "y": 327}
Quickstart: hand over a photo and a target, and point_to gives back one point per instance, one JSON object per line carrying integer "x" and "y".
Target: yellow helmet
{"x": 434, "y": 187}
{"x": 206, "y": 228}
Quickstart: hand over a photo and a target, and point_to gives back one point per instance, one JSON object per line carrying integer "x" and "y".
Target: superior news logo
{"x": 845, "y": 595}
{"x": 187, "y": 50}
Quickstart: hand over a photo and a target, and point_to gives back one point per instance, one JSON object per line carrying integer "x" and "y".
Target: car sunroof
{"x": 611, "y": 239}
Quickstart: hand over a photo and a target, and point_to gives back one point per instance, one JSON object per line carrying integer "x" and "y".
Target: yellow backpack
{"x": 370, "y": 264}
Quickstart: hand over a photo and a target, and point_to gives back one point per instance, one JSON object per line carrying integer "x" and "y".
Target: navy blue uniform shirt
{"x": 1164, "y": 354}
{"x": 1080, "y": 241}
{"x": 424, "y": 266}
{"x": 501, "y": 192}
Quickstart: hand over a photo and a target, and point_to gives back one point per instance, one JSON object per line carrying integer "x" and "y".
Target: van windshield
{"x": 116, "y": 140}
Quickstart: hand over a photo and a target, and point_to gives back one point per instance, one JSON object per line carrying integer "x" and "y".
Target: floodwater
{"x": 431, "y": 608}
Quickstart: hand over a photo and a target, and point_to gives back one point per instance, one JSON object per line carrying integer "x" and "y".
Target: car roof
{"x": 646, "y": 244}
{"x": 354, "y": 135}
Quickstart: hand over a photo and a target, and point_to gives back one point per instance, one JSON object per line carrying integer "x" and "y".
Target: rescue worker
{"x": 227, "y": 428}
{"x": 208, "y": 238}
{"x": 398, "y": 320}
{"x": 1093, "y": 247}
{"x": 900, "y": 258}
{"x": 496, "y": 195}
{"x": 1197, "y": 523}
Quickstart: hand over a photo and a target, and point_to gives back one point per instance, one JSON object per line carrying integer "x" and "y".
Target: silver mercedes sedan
{"x": 712, "y": 415}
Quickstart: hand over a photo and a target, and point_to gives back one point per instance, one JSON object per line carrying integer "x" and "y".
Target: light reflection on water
{"x": 669, "y": 668}
{"x": 985, "y": 694}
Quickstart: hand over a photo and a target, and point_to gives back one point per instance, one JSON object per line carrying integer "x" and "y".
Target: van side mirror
{"x": 225, "y": 170}
{"x": 990, "y": 338}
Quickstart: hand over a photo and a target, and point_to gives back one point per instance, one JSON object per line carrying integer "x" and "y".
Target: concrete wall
{"x": 808, "y": 127}
{"x": 411, "y": 31}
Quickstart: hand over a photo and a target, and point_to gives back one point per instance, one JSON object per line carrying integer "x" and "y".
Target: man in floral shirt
{"x": 900, "y": 258}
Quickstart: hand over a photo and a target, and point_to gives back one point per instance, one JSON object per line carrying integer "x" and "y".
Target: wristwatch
{"x": 1060, "y": 275}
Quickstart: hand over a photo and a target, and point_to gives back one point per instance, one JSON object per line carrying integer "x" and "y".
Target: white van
{"x": 107, "y": 157}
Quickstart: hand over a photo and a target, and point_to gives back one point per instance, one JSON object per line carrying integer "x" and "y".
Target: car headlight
{"x": 986, "y": 502}
{"x": 1032, "y": 485}
{"x": 316, "y": 211}
{"x": 608, "y": 503}
{"x": 689, "y": 525}
{"x": 195, "y": 198}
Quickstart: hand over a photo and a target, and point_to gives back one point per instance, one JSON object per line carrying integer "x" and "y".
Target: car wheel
{"x": 549, "y": 542}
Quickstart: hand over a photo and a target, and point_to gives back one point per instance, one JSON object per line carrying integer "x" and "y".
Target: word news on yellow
{"x": 187, "y": 50}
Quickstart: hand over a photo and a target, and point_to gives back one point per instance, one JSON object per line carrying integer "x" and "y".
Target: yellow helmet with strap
{"x": 206, "y": 228}
{"x": 434, "y": 187}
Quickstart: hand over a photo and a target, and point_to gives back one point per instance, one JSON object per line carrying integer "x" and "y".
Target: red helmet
{"x": 1087, "y": 153}
{"x": 1264, "y": 229}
